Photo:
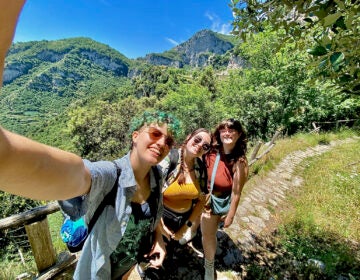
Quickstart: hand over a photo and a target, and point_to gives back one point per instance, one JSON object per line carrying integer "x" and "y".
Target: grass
{"x": 322, "y": 218}
{"x": 297, "y": 142}
{"x": 333, "y": 191}
{"x": 55, "y": 223}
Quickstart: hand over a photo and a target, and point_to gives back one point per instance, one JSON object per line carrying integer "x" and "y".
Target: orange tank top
{"x": 224, "y": 175}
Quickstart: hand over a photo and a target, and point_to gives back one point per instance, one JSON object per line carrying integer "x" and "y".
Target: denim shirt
{"x": 94, "y": 262}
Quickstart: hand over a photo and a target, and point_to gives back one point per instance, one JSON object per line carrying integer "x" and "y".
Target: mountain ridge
{"x": 194, "y": 52}
{"x": 43, "y": 78}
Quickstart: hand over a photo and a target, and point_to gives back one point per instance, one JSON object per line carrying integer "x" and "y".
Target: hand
{"x": 157, "y": 255}
{"x": 9, "y": 13}
{"x": 180, "y": 233}
{"x": 158, "y": 251}
{"x": 228, "y": 220}
{"x": 165, "y": 230}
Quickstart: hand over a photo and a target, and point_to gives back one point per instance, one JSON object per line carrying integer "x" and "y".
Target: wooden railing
{"x": 38, "y": 233}
{"x": 254, "y": 157}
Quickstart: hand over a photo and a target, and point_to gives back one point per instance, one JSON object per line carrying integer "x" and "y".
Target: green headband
{"x": 158, "y": 117}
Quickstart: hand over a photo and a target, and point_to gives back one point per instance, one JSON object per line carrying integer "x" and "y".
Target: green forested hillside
{"x": 276, "y": 91}
{"x": 43, "y": 78}
{"x": 79, "y": 94}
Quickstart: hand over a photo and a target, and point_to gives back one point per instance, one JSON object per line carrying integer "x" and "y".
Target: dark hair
{"x": 181, "y": 177}
{"x": 241, "y": 144}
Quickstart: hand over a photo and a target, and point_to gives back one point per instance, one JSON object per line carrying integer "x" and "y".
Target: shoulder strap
{"x": 156, "y": 174}
{"x": 214, "y": 172}
{"x": 109, "y": 199}
{"x": 202, "y": 175}
{"x": 174, "y": 158}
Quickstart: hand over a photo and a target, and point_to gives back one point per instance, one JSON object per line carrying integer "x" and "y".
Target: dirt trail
{"x": 253, "y": 217}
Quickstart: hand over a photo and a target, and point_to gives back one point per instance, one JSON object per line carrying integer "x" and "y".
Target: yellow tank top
{"x": 179, "y": 197}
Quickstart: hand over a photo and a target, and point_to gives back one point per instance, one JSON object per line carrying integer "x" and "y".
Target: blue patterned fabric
{"x": 74, "y": 232}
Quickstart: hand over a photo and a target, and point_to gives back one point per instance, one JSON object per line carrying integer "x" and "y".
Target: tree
{"x": 207, "y": 79}
{"x": 274, "y": 91}
{"x": 191, "y": 104}
{"x": 100, "y": 130}
{"x": 327, "y": 29}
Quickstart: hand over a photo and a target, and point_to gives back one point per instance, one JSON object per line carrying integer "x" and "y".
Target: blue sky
{"x": 133, "y": 27}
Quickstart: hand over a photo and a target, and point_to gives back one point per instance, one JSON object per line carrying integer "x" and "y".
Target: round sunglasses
{"x": 156, "y": 135}
{"x": 205, "y": 147}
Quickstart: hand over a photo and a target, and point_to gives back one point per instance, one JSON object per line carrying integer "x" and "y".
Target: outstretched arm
{"x": 9, "y": 12}
{"x": 38, "y": 171}
{"x": 28, "y": 168}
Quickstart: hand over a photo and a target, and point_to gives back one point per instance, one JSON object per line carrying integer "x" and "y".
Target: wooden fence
{"x": 38, "y": 233}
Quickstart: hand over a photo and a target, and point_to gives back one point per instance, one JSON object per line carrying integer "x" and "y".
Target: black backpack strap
{"x": 174, "y": 158}
{"x": 203, "y": 175}
{"x": 109, "y": 199}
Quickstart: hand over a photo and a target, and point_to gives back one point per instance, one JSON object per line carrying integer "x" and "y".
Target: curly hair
{"x": 241, "y": 144}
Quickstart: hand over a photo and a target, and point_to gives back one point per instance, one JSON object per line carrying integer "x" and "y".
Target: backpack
{"x": 74, "y": 233}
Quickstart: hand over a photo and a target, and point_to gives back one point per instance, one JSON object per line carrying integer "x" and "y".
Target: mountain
{"x": 198, "y": 51}
{"x": 42, "y": 78}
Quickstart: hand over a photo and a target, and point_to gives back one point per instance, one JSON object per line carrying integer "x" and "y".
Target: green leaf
{"x": 331, "y": 19}
{"x": 326, "y": 41}
{"x": 340, "y": 3}
{"x": 349, "y": 21}
{"x": 341, "y": 23}
{"x": 323, "y": 63}
{"x": 337, "y": 59}
{"x": 317, "y": 51}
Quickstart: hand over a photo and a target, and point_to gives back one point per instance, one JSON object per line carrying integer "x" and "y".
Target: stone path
{"x": 252, "y": 218}
{"x": 253, "y": 214}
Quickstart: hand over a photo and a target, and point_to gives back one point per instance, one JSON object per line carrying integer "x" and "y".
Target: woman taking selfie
{"x": 34, "y": 170}
{"x": 124, "y": 233}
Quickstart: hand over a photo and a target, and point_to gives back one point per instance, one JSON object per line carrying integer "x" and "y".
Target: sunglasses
{"x": 156, "y": 135}
{"x": 205, "y": 147}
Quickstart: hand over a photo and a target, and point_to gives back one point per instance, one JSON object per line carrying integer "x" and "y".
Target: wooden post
{"x": 277, "y": 133}
{"x": 316, "y": 128}
{"x": 41, "y": 244}
{"x": 256, "y": 150}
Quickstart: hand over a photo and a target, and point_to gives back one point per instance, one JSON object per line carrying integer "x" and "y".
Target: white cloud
{"x": 217, "y": 25}
{"x": 171, "y": 41}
